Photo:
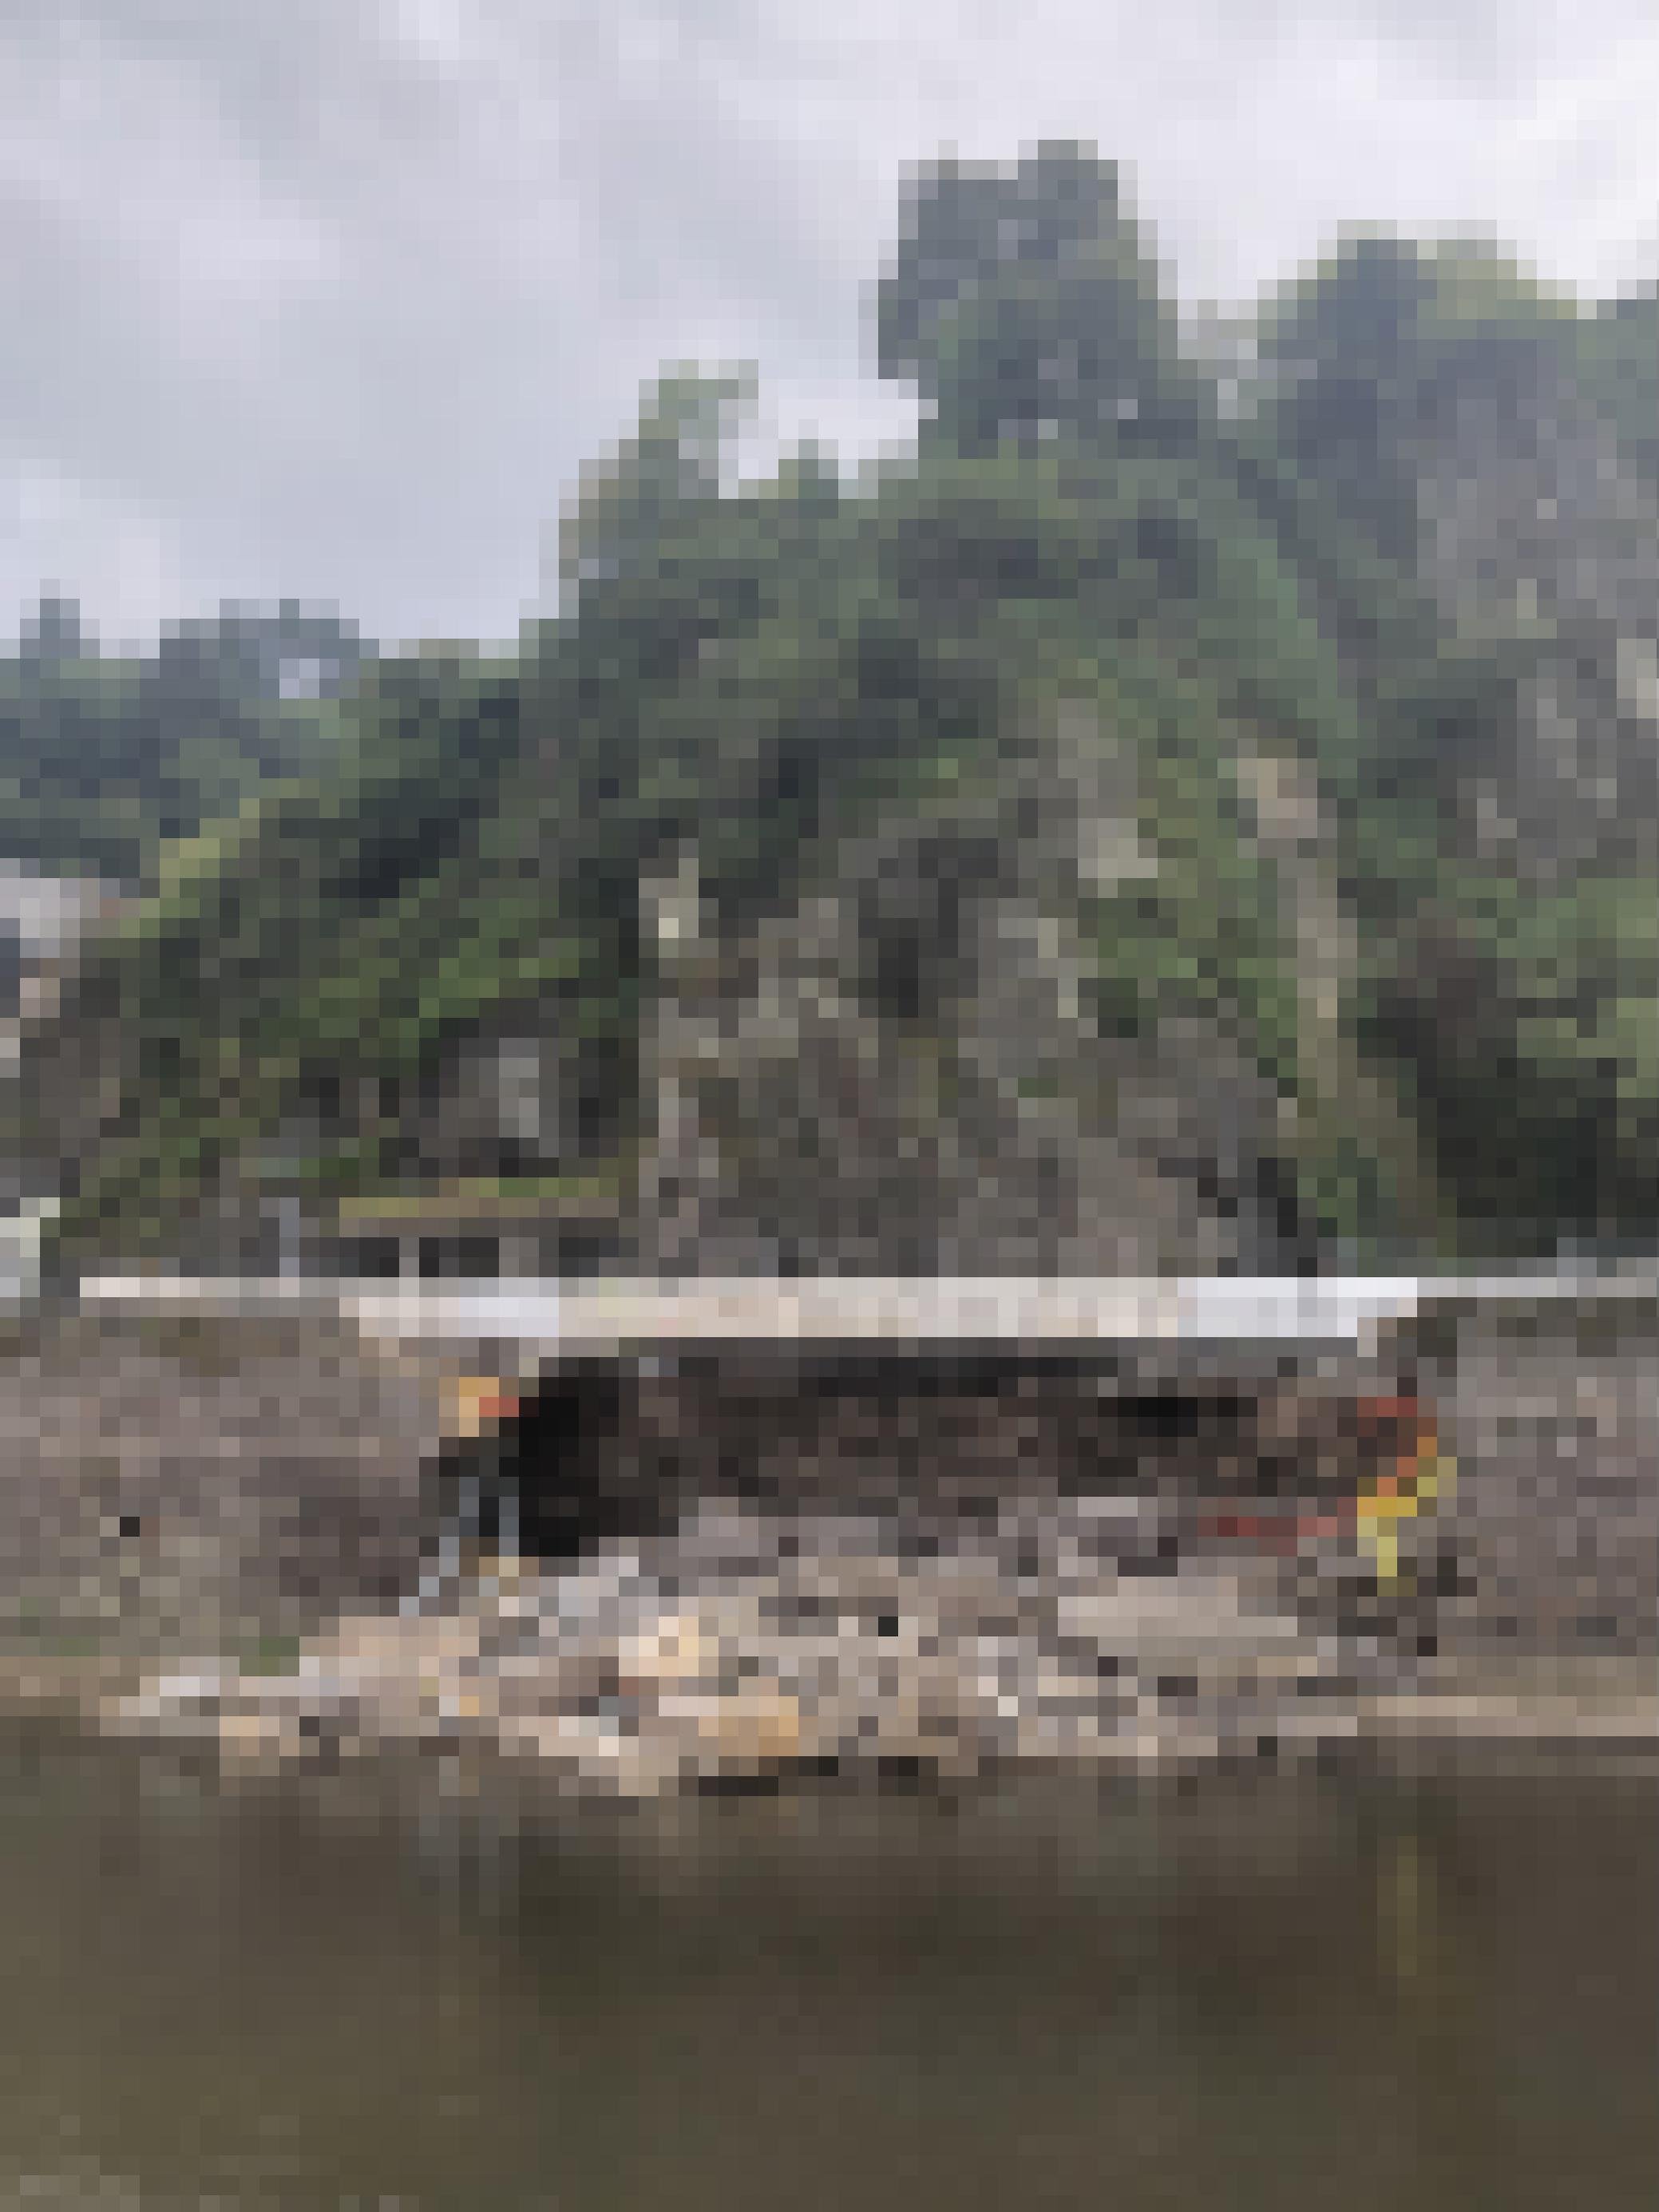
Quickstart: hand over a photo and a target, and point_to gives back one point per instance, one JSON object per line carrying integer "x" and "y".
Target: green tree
{"x": 1026, "y": 305}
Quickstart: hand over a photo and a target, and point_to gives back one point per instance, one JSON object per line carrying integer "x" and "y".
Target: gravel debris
{"x": 751, "y": 1646}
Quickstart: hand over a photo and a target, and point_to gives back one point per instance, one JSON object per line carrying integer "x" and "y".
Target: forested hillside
{"x": 1200, "y": 809}
{"x": 105, "y": 757}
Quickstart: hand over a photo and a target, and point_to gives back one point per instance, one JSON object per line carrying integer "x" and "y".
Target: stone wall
{"x": 1554, "y": 1426}
{"x": 196, "y": 1489}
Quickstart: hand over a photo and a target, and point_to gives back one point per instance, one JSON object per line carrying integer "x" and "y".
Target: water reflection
{"x": 1257, "y": 1993}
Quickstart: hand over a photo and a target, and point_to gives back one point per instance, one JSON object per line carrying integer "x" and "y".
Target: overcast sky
{"x": 330, "y": 298}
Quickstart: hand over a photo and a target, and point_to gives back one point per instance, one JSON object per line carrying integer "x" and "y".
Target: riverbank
{"x": 744, "y": 1650}
{"x": 227, "y": 1540}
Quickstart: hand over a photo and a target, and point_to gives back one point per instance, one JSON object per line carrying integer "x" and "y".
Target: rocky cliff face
{"x": 910, "y": 1073}
{"x": 1535, "y": 531}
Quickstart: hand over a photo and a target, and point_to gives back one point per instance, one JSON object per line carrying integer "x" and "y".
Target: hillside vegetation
{"x": 1199, "y": 808}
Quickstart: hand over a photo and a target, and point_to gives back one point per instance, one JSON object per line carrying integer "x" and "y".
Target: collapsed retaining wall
{"x": 925, "y": 1442}
{"x": 1547, "y": 1541}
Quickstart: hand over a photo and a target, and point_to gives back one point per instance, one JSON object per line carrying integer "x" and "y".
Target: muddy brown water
{"x": 1365, "y": 1990}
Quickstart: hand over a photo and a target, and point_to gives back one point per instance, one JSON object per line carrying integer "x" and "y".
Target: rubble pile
{"x": 750, "y": 1645}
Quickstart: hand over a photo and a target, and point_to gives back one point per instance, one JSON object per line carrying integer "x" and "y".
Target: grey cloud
{"x": 331, "y": 299}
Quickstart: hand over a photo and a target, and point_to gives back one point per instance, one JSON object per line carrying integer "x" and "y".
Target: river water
{"x": 1270, "y": 1992}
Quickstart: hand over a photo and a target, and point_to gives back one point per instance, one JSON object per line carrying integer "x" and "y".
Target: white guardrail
{"x": 611, "y": 1314}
